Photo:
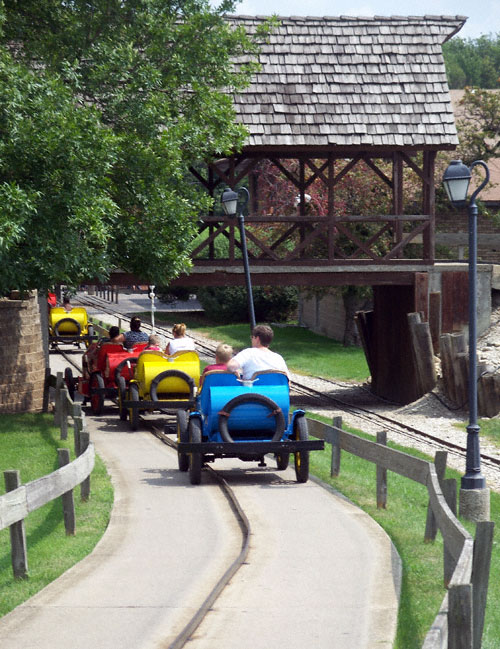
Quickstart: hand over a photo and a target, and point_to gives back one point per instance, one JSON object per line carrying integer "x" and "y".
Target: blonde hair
{"x": 223, "y": 353}
{"x": 179, "y": 329}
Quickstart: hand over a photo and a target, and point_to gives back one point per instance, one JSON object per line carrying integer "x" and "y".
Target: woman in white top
{"x": 180, "y": 341}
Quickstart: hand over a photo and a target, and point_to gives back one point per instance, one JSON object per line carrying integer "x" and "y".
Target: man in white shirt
{"x": 258, "y": 357}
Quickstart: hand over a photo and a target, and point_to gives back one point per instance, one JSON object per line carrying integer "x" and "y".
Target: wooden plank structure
{"x": 333, "y": 97}
{"x": 466, "y": 561}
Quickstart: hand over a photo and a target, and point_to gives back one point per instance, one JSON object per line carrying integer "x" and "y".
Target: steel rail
{"x": 320, "y": 397}
{"x": 244, "y": 524}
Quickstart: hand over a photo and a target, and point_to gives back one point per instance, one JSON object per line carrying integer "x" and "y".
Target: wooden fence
{"x": 455, "y": 373}
{"x": 466, "y": 561}
{"x": 20, "y": 500}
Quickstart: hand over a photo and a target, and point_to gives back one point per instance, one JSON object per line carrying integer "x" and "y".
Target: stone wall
{"x": 22, "y": 356}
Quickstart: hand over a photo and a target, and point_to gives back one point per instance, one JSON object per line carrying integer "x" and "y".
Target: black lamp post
{"x": 456, "y": 180}
{"x": 229, "y": 201}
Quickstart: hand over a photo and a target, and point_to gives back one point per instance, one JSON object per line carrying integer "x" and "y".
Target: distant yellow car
{"x": 69, "y": 326}
{"x": 162, "y": 382}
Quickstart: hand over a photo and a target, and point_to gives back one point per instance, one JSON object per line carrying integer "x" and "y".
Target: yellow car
{"x": 162, "y": 382}
{"x": 69, "y": 326}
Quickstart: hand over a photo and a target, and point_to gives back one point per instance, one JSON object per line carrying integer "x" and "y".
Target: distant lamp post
{"x": 152, "y": 296}
{"x": 456, "y": 180}
{"x": 229, "y": 201}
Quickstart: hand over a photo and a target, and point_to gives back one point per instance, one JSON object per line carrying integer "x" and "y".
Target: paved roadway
{"x": 320, "y": 573}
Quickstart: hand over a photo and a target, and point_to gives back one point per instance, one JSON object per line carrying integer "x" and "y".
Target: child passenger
{"x": 223, "y": 354}
{"x": 153, "y": 343}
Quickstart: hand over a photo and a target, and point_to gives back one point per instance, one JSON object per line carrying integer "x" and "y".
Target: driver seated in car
{"x": 258, "y": 357}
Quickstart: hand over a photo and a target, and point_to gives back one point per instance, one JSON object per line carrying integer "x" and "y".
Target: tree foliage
{"x": 473, "y": 62}
{"x": 479, "y": 125}
{"x": 229, "y": 303}
{"x": 104, "y": 104}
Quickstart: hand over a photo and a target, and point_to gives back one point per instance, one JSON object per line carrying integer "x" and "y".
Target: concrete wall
{"x": 22, "y": 356}
{"x": 325, "y": 315}
{"x": 484, "y": 290}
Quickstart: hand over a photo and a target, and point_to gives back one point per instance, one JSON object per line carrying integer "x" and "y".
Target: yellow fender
{"x": 72, "y": 320}
{"x": 152, "y": 363}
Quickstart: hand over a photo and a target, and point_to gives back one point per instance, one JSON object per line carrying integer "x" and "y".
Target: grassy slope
{"x": 404, "y": 521}
{"x": 29, "y": 443}
{"x": 304, "y": 351}
{"x": 422, "y": 590}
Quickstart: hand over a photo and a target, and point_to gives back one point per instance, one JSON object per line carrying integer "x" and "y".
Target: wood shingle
{"x": 351, "y": 81}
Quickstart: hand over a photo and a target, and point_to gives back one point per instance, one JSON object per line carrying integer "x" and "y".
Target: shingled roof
{"x": 351, "y": 82}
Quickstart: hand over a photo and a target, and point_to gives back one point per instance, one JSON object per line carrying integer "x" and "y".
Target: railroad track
{"x": 308, "y": 397}
{"x": 158, "y": 430}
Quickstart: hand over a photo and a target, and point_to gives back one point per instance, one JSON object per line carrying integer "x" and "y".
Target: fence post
{"x": 18, "y": 552}
{"x": 381, "y": 474}
{"x": 65, "y": 401}
{"x": 77, "y": 426}
{"x": 67, "y": 498}
{"x": 480, "y": 576}
{"x": 449, "y": 489}
{"x": 85, "y": 486}
{"x": 440, "y": 460}
{"x": 335, "y": 438}
{"x": 460, "y": 617}
{"x": 57, "y": 399}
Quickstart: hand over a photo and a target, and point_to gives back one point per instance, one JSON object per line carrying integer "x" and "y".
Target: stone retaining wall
{"x": 22, "y": 358}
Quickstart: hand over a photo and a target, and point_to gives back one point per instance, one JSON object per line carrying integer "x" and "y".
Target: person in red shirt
{"x": 223, "y": 354}
{"x": 51, "y": 299}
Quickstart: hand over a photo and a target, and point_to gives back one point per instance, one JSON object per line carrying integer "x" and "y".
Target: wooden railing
{"x": 278, "y": 240}
{"x": 466, "y": 561}
{"x": 22, "y": 499}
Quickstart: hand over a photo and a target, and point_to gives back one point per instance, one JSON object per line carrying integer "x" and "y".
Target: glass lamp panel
{"x": 457, "y": 189}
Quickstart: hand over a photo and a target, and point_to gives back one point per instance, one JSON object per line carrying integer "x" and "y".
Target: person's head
{"x": 114, "y": 332}
{"x": 263, "y": 333}
{"x": 135, "y": 324}
{"x": 179, "y": 330}
{"x": 66, "y": 299}
{"x": 154, "y": 340}
{"x": 223, "y": 353}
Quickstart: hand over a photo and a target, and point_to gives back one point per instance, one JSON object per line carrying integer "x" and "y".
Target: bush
{"x": 170, "y": 294}
{"x": 230, "y": 304}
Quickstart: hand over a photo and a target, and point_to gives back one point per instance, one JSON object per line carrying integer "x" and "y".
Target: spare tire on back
{"x": 251, "y": 397}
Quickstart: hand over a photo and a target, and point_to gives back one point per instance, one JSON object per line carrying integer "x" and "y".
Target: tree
{"x": 479, "y": 125}
{"x": 105, "y": 105}
{"x": 473, "y": 62}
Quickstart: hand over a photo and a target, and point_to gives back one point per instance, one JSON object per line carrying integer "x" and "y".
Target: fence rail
{"x": 466, "y": 561}
{"x": 22, "y": 499}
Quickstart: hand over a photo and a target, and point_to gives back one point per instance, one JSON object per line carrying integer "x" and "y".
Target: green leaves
{"x": 479, "y": 125}
{"x": 104, "y": 105}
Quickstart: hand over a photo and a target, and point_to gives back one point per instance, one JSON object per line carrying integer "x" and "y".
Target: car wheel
{"x": 195, "y": 459}
{"x": 301, "y": 434}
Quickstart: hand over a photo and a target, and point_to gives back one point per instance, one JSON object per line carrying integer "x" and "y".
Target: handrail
{"x": 22, "y": 499}
{"x": 16, "y": 505}
{"x": 451, "y": 629}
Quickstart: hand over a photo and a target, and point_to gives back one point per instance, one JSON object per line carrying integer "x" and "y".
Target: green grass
{"x": 404, "y": 520}
{"x": 305, "y": 352}
{"x": 29, "y": 443}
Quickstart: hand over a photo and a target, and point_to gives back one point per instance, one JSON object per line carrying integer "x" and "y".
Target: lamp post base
{"x": 474, "y": 504}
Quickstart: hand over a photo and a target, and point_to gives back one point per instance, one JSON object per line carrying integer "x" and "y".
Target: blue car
{"x": 246, "y": 420}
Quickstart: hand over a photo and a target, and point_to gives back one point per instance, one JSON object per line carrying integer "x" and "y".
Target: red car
{"x": 102, "y": 367}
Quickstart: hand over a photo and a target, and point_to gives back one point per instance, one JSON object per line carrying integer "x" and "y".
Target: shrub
{"x": 230, "y": 304}
{"x": 170, "y": 294}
